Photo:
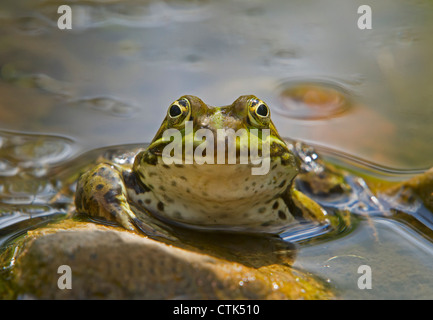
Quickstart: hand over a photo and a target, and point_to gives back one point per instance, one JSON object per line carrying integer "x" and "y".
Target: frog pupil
{"x": 175, "y": 111}
{"x": 262, "y": 110}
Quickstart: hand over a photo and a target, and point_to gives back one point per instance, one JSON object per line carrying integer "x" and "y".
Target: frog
{"x": 152, "y": 195}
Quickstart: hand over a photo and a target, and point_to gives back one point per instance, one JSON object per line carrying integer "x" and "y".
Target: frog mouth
{"x": 222, "y": 149}
{"x": 258, "y": 160}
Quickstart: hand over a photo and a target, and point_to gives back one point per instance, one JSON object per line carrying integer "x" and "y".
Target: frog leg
{"x": 101, "y": 193}
{"x": 304, "y": 208}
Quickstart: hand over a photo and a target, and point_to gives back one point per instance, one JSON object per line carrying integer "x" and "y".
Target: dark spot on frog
{"x": 140, "y": 202}
{"x": 160, "y": 206}
{"x": 161, "y": 188}
{"x": 148, "y": 158}
{"x": 295, "y": 211}
{"x": 282, "y": 215}
{"x": 173, "y": 183}
{"x": 110, "y": 196}
{"x": 275, "y": 206}
{"x": 147, "y": 201}
{"x": 183, "y": 102}
{"x": 142, "y": 176}
{"x": 168, "y": 199}
{"x": 262, "y": 209}
{"x": 106, "y": 174}
{"x": 132, "y": 182}
{"x": 183, "y": 178}
{"x": 165, "y": 166}
{"x": 282, "y": 184}
{"x": 99, "y": 186}
{"x": 113, "y": 213}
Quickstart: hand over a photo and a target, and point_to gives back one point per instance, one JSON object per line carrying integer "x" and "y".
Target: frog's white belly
{"x": 218, "y": 196}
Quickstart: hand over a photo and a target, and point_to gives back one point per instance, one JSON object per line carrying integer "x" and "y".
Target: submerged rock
{"x": 111, "y": 263}
{"x": 420, "y": 185}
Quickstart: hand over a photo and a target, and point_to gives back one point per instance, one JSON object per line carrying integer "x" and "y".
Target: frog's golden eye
{"x": 179, "y": 110}
{"x": 258, "y": 112}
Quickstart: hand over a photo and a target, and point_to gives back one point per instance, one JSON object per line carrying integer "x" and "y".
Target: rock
{"x": 112, "y": 263}
{"x": 420, "y": 185}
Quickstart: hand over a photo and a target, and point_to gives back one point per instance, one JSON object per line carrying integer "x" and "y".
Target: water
{"x": 365, "y": 94}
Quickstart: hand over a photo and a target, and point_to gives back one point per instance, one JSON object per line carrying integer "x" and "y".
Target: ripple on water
{"x": 130, "y": 13}
{"x": 31, "y": 153}
{"x": 108, "y": 105}
{"x": 33, "y": 150}
{"x": 312, "y": 99}
{"x": 26, "y": 186}
{"x": 39, "y": 81}
{"x": 26, "y": 23}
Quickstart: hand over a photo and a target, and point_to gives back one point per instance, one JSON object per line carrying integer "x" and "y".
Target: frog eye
{"x": 178, "y": 109}
{"x": 258, "y": 112}
{"x": 262, "y": 110}
{"x": 174, "y": 111}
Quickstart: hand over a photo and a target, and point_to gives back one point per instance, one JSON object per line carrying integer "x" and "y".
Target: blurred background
{"x": 110, "y": 79}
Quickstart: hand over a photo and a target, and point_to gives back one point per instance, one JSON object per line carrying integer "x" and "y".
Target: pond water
{"x": 109, "y": 81}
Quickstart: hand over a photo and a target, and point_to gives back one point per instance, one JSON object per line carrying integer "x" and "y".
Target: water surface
{"x": 110, "y": 79}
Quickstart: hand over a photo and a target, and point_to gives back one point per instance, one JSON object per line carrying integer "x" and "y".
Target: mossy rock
{"x": 111, "y": 263}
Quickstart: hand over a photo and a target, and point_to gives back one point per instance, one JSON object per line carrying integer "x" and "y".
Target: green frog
{"x": 169, "y": 185}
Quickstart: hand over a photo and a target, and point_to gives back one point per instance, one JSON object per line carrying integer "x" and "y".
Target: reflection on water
{"x": 400, "y": 261}
{"x": 37, "y": 81}
{"x": 312, "y": 101}
{"x": 107, "y": 105}
{"x": 31, "y": 154}
{"x": 27, "y": 185}
{"x": 109, "y": 80}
